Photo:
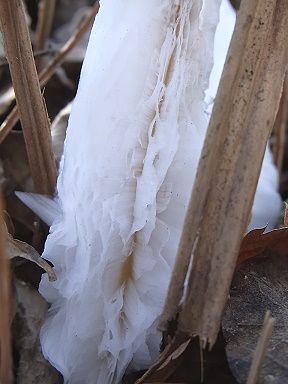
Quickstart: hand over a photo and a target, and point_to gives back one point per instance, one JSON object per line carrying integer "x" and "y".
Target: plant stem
{"x": 244, "y": 112}
{"x": 32, "y": 110}
{"x": 46, "y": 10}
{"x": 261, "y": 349}
{"x": 280, "y": 127}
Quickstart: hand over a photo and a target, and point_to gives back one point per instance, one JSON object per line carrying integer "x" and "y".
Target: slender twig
{"x": 41, "y": 53}
{"x": 261, "y": 349}
{"x": 48, "y": 72}
{"x": 241, "y": 122}
{"x": 10, "y": 122}
{"x": 46, "y": 10}
{"x": 32, "y": 110}
{"x": 5, "y": 342}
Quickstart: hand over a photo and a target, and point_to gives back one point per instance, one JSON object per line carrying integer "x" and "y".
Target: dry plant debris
{"x": 28, "y": 313}
{"x": 255, "y": 289}
{"x": 260, "y": 283}
{"x": 257, "y": 243}
{"x": 248, "y": 95}
{"x": 34, "y": 117}
{"x": 261, "y": 348}
{"x": 48, "y": 71}
{"x": 28, "y": 307}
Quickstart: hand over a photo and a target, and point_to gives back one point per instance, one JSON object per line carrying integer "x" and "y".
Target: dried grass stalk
{"x": 242, "y": 119}
{"x": 5, "y": 346}
{"x": 280, "y": 127}
{"x": 261, "y": 349}
{"x": 46, "y": 10}
{"x": 32, "y": 110}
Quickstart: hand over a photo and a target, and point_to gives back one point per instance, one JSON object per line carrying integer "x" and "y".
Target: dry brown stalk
{"x": 46, "y": 74}
{"x": 242, "y": 119}
{"x": 46, "y": 10}
{"x": 261, "y": 349}
{"x": 32, "y": 110}
{"x": 281, "y": 126}
{"x": 5, "y": 346}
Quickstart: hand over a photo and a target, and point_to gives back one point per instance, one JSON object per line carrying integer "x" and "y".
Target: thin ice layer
{"x": 129, "y": 163}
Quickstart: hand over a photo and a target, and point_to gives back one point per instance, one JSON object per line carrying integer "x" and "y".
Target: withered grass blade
{"x": 32, "y": 109}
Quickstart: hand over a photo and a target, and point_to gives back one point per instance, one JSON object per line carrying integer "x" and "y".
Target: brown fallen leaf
{"x": 166, "y": 364}
{"x": 257, "y": 243}
{"x": 182, "y": 362}
{"x": 259, "y": 285}
{"x": 17, "y": 248}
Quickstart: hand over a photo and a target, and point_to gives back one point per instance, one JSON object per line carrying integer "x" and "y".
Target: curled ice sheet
{"x": 129, "y": 163}
{"x": 133, "y": 142}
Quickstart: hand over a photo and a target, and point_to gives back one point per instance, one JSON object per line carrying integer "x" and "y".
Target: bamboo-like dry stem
{"x": 46, "y": 74}
{"x": 32, "y": 110}
{"x": 46, "y": 10}
{"x": 261, "y": 349}
{"x": 5, "y": 342}
{"x": 280, "y": 127}
{"x": 242, "y": 119}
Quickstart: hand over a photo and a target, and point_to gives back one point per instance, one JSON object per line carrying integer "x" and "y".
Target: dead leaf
{"x": 257, "y": 243}
{"x": 167, "y": 364}
{"x": 183, "y": 362}
{"x": 175, "y": 354}
{"x": 17, "y": 248}
{"x": 258, "y": 286}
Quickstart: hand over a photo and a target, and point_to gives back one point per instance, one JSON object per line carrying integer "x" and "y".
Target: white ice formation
{"x": 132, "y": 147}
